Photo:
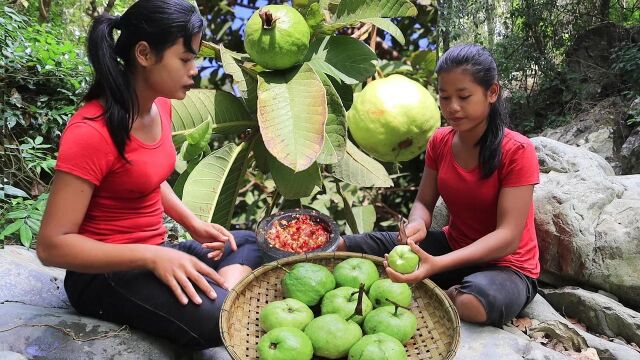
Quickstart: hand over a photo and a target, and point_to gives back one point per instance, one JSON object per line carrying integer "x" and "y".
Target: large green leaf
{"x": 336, "y": 126}
{"x": 208, "y": 49}
{"x": 228, "y": 114}
{"x": 212, "y": 187}
{"x": 388, "y": 26}
{"x": 294, "y": 185}
{"x": 292, "y": 112}
{"x": 343, "y": 57}
{"x": 356, "y": 10}
{"x": 424, "y": 62}
{"x": 359, "y": 169}
{"x": 365, "y": 217}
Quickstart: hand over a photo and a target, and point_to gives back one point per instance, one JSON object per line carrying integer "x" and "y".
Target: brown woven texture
{"x": 437, "y": 337}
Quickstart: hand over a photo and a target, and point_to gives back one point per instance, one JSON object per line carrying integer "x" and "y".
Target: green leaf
{"x": 343, "y": 57}
{"x": 388, "y": 26}
{"x": 261, "y": 156}
{"x": 245, "y": 80}
{"x": 200, "y": 133}
{"x": 228, "y": 114}
{"x": 18, "y": 214}
{"x": 345, "y": 91}
{"x": 212, "y": 187}
{"x": 347, "y": 210}
{"x": 294, "y": 185}
{"x": 424, "y": 61}
{"x": 208, "y": 49}
{"x": 178, "y": 186}
{"x": 292, "y": 112}
{"x": 365, "y": 217}
{"x": 336, "y": 126}
{"x": 359, "y": 169}
{"x": 26, "y": 236}
{"x": 356, "y": 10}
{"x": 13, "y": 227}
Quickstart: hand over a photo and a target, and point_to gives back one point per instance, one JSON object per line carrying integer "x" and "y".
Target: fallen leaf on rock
{"x": 562, "y": 336}
{"x": 523, "y": 323}
{"x": 587, "y": 354}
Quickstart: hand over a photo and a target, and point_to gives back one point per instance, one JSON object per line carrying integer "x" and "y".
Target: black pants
{"x": 139, "y": 299}
{"x": 503, "y": 291}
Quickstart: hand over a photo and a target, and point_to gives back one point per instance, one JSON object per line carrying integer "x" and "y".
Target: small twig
{"x": 123, "y": 330}
{"x": 283, "y": 268}
{"x": 363, "y": 30}
{"x": 358, "y": 309}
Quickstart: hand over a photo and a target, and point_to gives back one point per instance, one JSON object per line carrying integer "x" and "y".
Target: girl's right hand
{"x": 179, "y": 271}
{"x": 416, "y": 231}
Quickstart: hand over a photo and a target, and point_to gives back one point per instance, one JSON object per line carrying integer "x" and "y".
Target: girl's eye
{"x": 444, "y": 98}
{"x": 465, "y": 97}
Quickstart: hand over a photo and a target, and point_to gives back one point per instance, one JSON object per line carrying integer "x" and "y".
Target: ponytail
{"x": 111, "y": 81}
{"x": 159, "y": 23}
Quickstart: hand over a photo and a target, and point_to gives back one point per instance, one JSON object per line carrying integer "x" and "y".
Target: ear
{"x": 143, "y": 54}
{"x": 494, "y": 90}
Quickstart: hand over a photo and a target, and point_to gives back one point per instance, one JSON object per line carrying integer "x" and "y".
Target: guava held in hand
{"x": 393, "y": 118}
{"x": 285, "y": 343}
{"x": 277, "y": 37}
{"x": 403, "y": 260}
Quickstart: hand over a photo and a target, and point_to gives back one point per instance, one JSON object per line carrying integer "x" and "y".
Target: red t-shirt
{"x": 125, "y": 206}
{"x": 473, "y": 202}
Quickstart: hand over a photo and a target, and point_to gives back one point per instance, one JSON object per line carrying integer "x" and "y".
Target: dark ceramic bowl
{"x": 272, "y": 253}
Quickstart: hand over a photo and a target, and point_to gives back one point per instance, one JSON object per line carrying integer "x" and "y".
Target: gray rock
{"x": 541, "y": 310}
{"x": 562, "y": 158}
{"x": 10, "y": 355}
{"x": 598, "y": 312}
{"x": 486, "y": 342}
{"x": 46, "y": 333}
{"x": 586, "y": 222}
{"x": 26, "y": 281}
{"x": 630, "y": 153}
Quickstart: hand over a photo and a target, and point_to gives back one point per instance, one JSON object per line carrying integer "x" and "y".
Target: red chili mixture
{"x": 298, "y": 236}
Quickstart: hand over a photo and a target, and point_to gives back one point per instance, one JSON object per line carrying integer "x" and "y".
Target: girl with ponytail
{"x": 104, "y": 217}
{"x": 486, "y": 258}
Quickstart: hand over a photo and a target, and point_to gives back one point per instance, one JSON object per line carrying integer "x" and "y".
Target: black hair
{"x": 160, "y": 23}
{"x": 477, "y": 60}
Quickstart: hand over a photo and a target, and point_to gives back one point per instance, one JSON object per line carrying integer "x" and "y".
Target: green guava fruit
{"x": 308, "y": 283}
{"x": 403, "y": 260}
{"x": 332, "y": 336}
{"x": 285, "y": 313}
{"x": 391, "y": 320}
{"x": 343, "y": 301}
{"x": 384, "y": 289}
{"x": 378, "y": 347}
{"x": 353, "y": 271}
{"x": 285, "y": 343}
{"x": 393, "y": 118}
{"x": 277, "y": 37}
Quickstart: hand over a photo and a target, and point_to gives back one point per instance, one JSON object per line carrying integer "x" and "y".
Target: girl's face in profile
{"x": 171, "y": 76}
{"x": 464, "y": 103}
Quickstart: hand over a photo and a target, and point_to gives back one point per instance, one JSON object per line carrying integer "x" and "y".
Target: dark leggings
{"x": 139, "y": 299}
{"x": 503, "y": 291}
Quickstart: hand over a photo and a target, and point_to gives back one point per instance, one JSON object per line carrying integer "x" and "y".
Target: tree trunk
{"x": 43, "y": 8}
{"x": 444, "y": 17}
{"x": 491, "y": 22}
{"x": 603, "y": 9}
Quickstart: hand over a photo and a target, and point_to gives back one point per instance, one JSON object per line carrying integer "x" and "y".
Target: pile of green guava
{"x": 350, "y": 312}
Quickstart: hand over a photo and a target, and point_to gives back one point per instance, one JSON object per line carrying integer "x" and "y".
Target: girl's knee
{"x": 469, "y": 307}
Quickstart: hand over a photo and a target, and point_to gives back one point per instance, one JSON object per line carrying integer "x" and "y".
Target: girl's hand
{"x": 179, "y": 271}
{"x": 416, "y": 231}
{"x": 212, "y": 237}
{"x": 428, "y": 266}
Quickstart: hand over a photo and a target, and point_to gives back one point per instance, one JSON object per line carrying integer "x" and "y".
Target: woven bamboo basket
{"x": 437, "y": 336}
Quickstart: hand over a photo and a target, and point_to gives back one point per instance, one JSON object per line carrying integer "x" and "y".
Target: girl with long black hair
{"x": 104, "y": 217}
{"x": 486, "y": 258}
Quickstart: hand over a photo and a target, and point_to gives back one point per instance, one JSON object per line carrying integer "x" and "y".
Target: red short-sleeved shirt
{"x": 126, "y": 206}
{"x": 473, "y": 202}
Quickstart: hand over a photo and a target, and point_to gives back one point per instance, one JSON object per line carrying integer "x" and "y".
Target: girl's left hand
{"x": 428, "y": 266}
{"x": 212, "y": 237}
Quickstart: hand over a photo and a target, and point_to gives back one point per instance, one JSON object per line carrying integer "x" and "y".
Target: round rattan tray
{"x": 438, "y": 334}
